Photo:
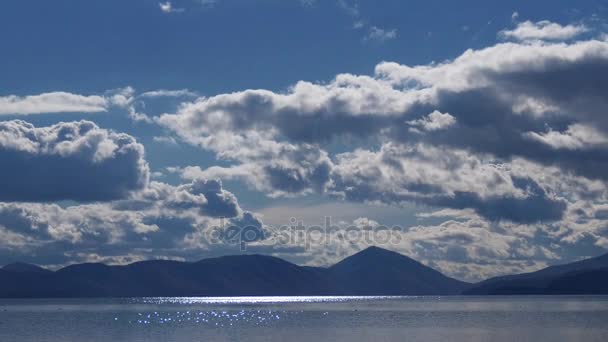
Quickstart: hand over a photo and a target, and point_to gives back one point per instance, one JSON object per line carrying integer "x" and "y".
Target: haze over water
{"x": 526, "y": 318}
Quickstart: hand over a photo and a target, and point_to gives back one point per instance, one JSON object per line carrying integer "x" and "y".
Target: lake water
{"x": 306, "y": 319}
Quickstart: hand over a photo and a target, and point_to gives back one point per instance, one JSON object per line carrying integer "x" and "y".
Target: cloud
{"x": 433, "y": 122}
{"x": 443, "y": 178}
{"x": 495, "y": 116}
{"x": 467, "y": 246}
{"x": 165, "y": 140}
{"x": 281, "y": 170}
{"x": 577, "y": 136}
{"x": 54, "y": 102}
{"x": 167, "y": 7}
{"x": 162, "y": 219}
{"x": 380, "y": 35}
{"x": 504, "y": 145}
{"x": 168, "y": 93}
{"x": 308, "y": 3}
{"x": 217, "y": 202}
{"x": 207, "y": 3}
{"x": 350, "y": 8}
{"x": 372, "y": 32}
{"x": 63, "y": 102}
{"x": 68, "y": 161}
{"x": 542, "y": 30}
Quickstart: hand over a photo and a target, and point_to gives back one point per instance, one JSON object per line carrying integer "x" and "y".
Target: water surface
{"x": 496, "y": 319}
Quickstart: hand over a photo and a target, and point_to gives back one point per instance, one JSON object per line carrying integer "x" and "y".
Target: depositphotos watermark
{"x": 299, "y": 234}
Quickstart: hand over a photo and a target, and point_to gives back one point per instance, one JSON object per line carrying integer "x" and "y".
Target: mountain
{"x": 24, "y": 268}
{"x": 588, "y": 276}
{"x": 373, "y": 271}
{"x": 376, "y": 270}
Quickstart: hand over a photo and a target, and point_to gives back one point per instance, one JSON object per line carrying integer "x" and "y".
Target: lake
{"x": 525, "y": 318}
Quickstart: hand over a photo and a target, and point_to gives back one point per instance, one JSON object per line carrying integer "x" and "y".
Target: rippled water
{"x": 306, "y": 318}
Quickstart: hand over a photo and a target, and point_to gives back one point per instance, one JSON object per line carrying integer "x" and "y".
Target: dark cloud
{"x": 220, "y": 203}
{"x": 68, "y": 161}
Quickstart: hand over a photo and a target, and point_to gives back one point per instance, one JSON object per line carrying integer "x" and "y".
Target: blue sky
{"x": 304, "y": 109}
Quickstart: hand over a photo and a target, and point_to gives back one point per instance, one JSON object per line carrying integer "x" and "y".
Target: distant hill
{"x": 379, "y": 271}
{"x": 374, "y": 271}
{"x": 24, "y": 268}
{"x": 588, "y": 276}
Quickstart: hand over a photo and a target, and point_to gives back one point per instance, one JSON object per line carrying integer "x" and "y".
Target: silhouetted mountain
{"x": 373, "y": 271}
{"x": 23, "y": 267}
{"x": 581, "y": 277}
{"x": 376, "y": 270}
{"x": 581, "y": 283}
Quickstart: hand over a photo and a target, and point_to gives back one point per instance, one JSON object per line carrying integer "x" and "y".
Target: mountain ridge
{"x": 372, "y": 271}
{"x": 555, "y": 279}
{"x": 234, "y": 275}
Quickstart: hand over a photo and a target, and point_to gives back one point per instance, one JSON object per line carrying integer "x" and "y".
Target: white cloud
{"x": 543, "y": 30}
{"x": 159, "y": 219}
{"x": 168, "y": 93}
{"x": 577, "y": 136}
{"x": 433, "y": 122}
{"x": 64, "y": 102}
{"x": 484, "y": 106}
{"x": 167, "y": 7}
{"x": 54, "y": 102}
{"x": 380, "y": 35}
{"x": 165, "y": 140}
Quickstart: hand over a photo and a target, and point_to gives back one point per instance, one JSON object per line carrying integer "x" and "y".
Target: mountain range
{"x": 373, "y": 271}
{"x": 588, "y": 276}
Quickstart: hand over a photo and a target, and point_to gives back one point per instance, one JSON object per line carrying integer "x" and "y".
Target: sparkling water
{"x": 525, "y": 318}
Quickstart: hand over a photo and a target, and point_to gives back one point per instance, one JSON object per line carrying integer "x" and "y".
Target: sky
{"x": 471, "y": 136}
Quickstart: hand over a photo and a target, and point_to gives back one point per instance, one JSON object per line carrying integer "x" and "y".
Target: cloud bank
{"x": 468, "y": 133}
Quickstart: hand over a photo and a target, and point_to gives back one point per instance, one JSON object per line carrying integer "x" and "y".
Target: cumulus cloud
{"x": 498, "y": 116}
{"x": 161, "y": 219}
{"x": 433, "y": 122}
{"x": 542, "y": 30}
{"x": 282, "y": 170}
{"x": 444, "y": 178}
{"x": 68, "y": 161}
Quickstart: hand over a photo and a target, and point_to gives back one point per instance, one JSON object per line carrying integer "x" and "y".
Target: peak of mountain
{"x": 244, "y": 258}
{"x": 569, "y": 278}
{"x": 24, "y": 268}
{"x": 376, "y": 270}
{"x": 373, "y": 255}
